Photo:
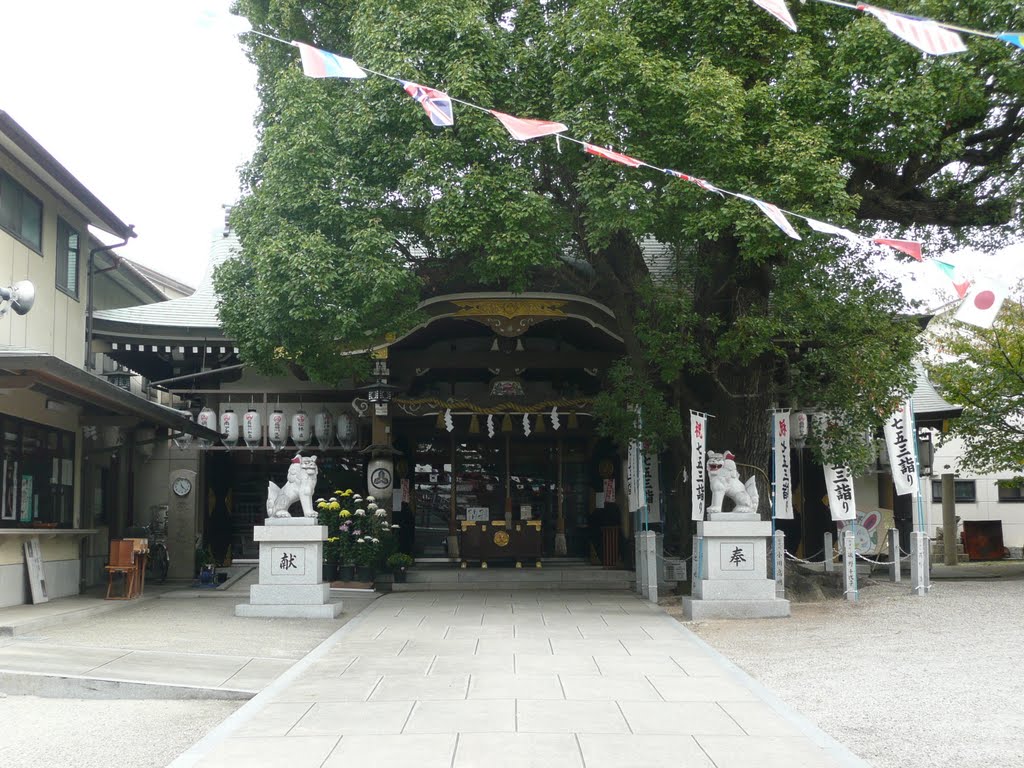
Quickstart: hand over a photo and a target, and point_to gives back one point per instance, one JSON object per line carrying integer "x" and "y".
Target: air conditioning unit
{"x": 675, "y": 570}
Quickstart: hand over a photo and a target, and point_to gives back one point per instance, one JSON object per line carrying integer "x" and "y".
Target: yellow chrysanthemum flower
{"x": 345, "y": 513}
{"x": 334, "y": 506}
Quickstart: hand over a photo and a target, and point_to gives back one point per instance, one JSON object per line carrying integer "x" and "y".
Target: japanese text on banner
{"x": 839, "y": 483}
{"x": 902, "y": 460}
{"x": 783, "y": 476}
{"x": 698, "y": 441}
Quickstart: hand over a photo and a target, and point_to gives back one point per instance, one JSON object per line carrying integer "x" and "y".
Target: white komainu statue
{"x": 301, "y": 483}
{"x": 725, "y": 482}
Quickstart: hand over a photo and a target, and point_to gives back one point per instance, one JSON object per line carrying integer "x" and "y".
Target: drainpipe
{"x": 90, "y": 306}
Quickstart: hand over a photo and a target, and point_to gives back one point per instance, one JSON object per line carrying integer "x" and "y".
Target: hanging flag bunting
{"x": 526, "y": 424}
{"x": 448, "y": 423}
{"x": 902, "y": 460}
{"x": 1014, "y": 38}
{"x": 962, "y": 288}
{"x": 698, "y": 441}
{"x": 773, "y": 213}
{"x": 909, "y": 247}
{"x": 783, "y": 479}
{"x": 436, "y": 104}
{"x": 947, "y": 269}
{"x": 693, "y": 180}
{"x": 922, "y": 33}
{"x": 523, "y": 128}
{"x": 831, "y": 229}
{"x": 615, "y": 157}
{"x": 490, "y": 425}
{"x": 778, "y": 9}
{"x": 839, "y": 483}
{"x": 555, "y": 423}
{"x": 982, "y": 304}
{"x": 317, "y": 63}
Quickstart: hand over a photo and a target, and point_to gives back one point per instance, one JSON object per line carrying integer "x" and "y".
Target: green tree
{"x": 983, "y": 371}
{"x": 355, "y": 207}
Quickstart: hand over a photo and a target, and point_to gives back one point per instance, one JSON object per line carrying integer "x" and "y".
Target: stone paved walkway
{"x": 566, "y": 679}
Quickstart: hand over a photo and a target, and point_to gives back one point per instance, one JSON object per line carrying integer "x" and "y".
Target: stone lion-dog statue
{"x": 302, "y": 473}
{"x": 724, "y": 480}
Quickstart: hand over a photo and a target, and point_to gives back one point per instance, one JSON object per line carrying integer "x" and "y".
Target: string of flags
{"x": 438, "y": 106}
{"x": 933, "y": 37}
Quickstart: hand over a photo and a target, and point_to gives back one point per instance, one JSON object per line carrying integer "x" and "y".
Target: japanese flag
{"x": 982, "y": 304}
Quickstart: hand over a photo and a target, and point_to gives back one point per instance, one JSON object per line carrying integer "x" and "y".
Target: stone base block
{"x": 724, "y": 589}
{"x": 699, "y": 610}
{"x": 328, "y": 611}
{"x": 289, "y": 594}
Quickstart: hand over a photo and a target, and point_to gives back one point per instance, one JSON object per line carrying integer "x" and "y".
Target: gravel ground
{"x": 83, "y": 733}
{"x": 903, "y": 681}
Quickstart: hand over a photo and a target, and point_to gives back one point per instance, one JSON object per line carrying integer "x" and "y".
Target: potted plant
{"x": 330, "y": 565}
{"x": 399, "y": 563}
{"x": 205, "y": 565}
{"x": 364, "y": 554}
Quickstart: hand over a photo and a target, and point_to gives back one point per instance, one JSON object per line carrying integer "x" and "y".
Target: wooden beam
{"x": 489, "y": 359}
{"x": 16, "y": 382}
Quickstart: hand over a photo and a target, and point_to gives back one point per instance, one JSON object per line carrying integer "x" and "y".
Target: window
{"x": 1011, "y": 493}
{"x": 963, "y": 491}
{"x": 36, "y": 474}
{"x": 20, "y": 213}
{"x": 67, "y": 258}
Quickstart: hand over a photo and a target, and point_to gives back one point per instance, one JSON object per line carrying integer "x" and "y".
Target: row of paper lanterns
{"x": 324, "y": 428}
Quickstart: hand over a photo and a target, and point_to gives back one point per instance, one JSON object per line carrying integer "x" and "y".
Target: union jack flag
{"x": 615, "y": 157}
{"x": 922, "y": 33}
{"x": 693, "y": 180}
{"x": 436, "y": 104}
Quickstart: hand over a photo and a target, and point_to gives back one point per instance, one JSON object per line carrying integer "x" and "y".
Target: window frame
{"x": 937, "y": 491}
{"x": 24, "y": 194}
{"x": 64, "y": 231}
{"x": 1018, "y": 499}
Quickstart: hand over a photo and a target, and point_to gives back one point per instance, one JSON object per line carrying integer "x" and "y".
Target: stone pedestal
{"x": 291, "y": 568}
{"x": 731, "y": 578}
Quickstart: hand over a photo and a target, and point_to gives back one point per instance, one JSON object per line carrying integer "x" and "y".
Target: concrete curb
{"x": 836, "y": 749}
{"x": 237, "y": 719}
{"x": 66, "y": 617}
{"x": 79, "y": 687}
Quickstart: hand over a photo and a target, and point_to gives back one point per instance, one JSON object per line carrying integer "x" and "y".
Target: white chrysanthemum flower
{"x": 375, "y": 541}
{"x": 370, "y": 499}
{"x": 361, "y": 512}
{"x": 395, "y": 526}
{"x": 380, "y": 513}
{"x": 360, "y": 540}
{"x": 320, "y": 500}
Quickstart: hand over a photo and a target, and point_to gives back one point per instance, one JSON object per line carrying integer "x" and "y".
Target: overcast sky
{"x": 151, "y": 107}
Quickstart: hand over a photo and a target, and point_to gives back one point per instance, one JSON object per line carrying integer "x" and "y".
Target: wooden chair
{"x": 140, "y": 551}
{"x": 122, "y": 560}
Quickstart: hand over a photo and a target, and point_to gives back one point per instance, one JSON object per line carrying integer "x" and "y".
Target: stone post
{"x": 850, "y": 566}
{"x": 830, "y": 560}
{"x": 920, "y": 581}
{"x": 780, "y": 563}
{"x": 698, "y": 570}
{"x": 894, "y": 553}
{"x": 650, "y": 552}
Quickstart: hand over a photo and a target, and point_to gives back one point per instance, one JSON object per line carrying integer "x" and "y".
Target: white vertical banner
{"x": 899, "y": 434}
{"x": 635, "y": 489}
{"x": 652, "y": 486}
{"x": 698, "y": 478}
{"x": 783, "y": 475}
{"x": 839, "y": 484}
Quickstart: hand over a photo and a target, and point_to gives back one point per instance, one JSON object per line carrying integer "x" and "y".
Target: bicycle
{"x": 155, "y": 533}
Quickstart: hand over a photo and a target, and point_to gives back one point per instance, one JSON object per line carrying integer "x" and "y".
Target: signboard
{"x": 902, "y": 459}
{"x": 783, "y": 479}
{"x": 525, "y": 512}
{"x": 652, "y": 486}
{"x": 34, "y": 563}
{"x": 839, "y": 483}
{"x": 609, "y": 490}
{"x": 698, "y": 441}
{"x": 478, "y": 514}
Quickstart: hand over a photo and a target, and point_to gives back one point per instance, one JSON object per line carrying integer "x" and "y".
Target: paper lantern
{"x": 380, "y": 478}
{"x": 323, "y": 427}
{"x": 229, "y": 428}
{"x": 277, "y": 431}
{"x": 300, "y": 428}
{"x": 207, "y": 418}
{"x": 346, "y": 431}
{"x": 252, "y": 428}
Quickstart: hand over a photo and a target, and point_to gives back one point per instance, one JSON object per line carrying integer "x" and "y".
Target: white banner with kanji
{"x": 839, "y": 483}
{"x": 783, "y": 474}
{"x": 899, "y": 434}
{"x": 698, "y": 443}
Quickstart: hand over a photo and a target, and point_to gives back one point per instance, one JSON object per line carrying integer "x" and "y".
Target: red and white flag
{"x": 435, "y": 103}
{"x": 773, "y": 213}
{"x": 909, "y": 247}
{"x": 778, "y": 9}
{"x": 523, "y": 128}
{"x": 693, "y": 180}
{"x": 615, "y": 157}
{"x": 922, "y": 33}
{"x": 982, "y": 304}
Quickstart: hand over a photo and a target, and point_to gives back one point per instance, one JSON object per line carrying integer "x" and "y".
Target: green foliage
{"x": 399, "y": 560}
{"x": 356, "y": 208}
{"x": 983, "y": 371}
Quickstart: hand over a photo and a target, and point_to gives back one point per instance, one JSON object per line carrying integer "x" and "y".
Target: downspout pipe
{"x": 90, "y": 305}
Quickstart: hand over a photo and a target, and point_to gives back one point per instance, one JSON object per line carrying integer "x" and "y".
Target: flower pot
{"x": 206, "y": 574}
{"x": 364, "y": 573}
{"x": 346, "y": 573}
{"x": 330, "y": 572}
{"x": 400, "y": 576}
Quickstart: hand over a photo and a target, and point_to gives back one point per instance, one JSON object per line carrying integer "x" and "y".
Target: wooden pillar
{"x": 561, "y": 547}
{"x": 453, "y": 537}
